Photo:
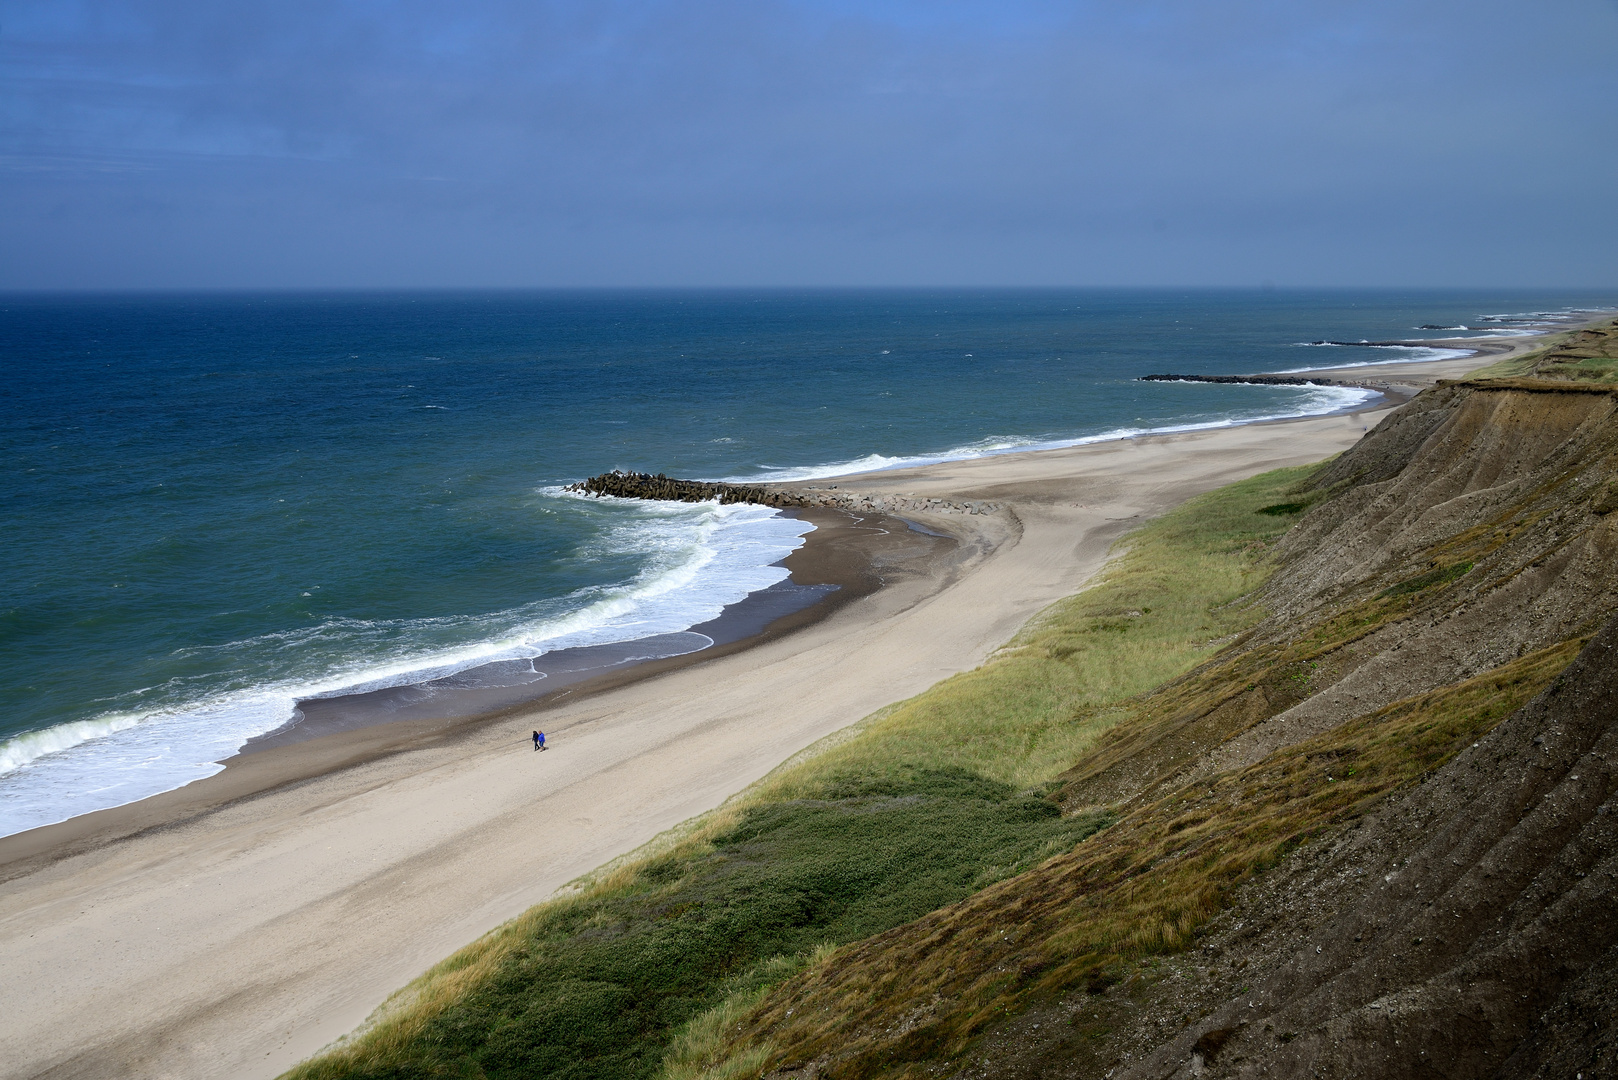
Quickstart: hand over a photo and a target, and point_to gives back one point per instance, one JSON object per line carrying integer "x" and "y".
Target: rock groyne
{"x": 632, "y": 485}
{"x": 1261, "y": 380}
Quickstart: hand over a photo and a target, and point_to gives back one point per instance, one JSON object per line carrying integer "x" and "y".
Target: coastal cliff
{"x": 1316, "y": 780}
{"x": 1346, "y": 849}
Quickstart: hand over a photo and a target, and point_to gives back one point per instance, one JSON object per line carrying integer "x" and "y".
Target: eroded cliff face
{"x": 1375, "y": 837}
{"x": 1473, "y": 527}
{"x": 1498, "y": 526}
{"x": 1468, "y": 928}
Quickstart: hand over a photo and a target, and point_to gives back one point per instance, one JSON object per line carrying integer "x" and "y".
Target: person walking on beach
{"x": 539, "y": 740}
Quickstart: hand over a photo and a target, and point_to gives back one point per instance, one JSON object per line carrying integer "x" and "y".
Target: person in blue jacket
{"x": 539, "y": 740}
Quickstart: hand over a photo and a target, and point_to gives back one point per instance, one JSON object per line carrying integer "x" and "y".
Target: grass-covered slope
{"x": 1586, "y": 355}
{"x": 912, "y": 810}
{"x": 595, "y": 985}
{"x": 907, "y": 1002}
{"x": 1452, "y": 565}
{"x": 1006, "y": 875}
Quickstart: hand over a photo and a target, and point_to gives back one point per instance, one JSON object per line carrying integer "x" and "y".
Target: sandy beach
{"x": 235, "y": 926}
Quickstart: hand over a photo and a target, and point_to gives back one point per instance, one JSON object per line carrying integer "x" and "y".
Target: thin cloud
{"x": 180, "y": 142}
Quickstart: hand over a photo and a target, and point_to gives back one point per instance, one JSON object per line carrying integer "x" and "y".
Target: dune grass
{"x": 644, "y": 967}
{"x": 1169, "y": 602}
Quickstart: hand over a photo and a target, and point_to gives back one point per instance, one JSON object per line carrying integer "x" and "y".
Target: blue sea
{"x": 218, "y": 504}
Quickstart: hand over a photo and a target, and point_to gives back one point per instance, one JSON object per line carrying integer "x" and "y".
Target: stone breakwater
{"x": 1391, "y": 390}
{"x": 633, "y": 485}
{"x": 1261, "y": 380}
{"x": 630, "y": 485}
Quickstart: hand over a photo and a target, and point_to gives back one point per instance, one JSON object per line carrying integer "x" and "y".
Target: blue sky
{"x": 177, "y": 143}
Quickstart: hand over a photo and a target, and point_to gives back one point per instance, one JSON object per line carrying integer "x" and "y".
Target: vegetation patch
{"x": 597, "y": 987}
{"x": 1589, "y": 355}
{"x": 1442, "y": 575}
{"x": 647, "y": 966}
{"x": 902, "y": 1005}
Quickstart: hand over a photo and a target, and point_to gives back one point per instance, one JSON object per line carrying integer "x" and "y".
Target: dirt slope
{"x": 1475, "y": 927}
{"x": 1469, "y": 529}
{"x": 1318, "y": 873}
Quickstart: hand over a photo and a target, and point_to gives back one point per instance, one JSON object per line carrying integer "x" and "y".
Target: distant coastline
{"x": 838, "y": 547}
{"x": 455, "y": 827}
{"x": 470, "y": 692}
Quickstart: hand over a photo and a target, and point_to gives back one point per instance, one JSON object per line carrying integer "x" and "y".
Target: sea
{"x": 218, "y": 505}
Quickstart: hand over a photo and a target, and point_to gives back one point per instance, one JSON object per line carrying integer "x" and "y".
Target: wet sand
{"x": 847, "y": 557}
{"x": 833, "y": 567}
{"x": 235, "y": 926}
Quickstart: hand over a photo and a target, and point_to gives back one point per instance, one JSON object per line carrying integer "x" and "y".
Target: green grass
{"x": 1169, "y": 602}
{"x": 1589, "y": 355}
{"x": 597, "y": 988}
{"x": 915, "y": 808}
{"x": 1443, "y": 575}
{"x": 910, "y": 1002}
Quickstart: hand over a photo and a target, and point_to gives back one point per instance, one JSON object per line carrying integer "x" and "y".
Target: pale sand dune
{"x": 237, "y": 940}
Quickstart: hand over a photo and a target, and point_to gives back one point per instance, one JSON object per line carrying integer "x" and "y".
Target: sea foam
{"x": 702, "y": 557}
{"x": 1412, "y": 354}
{"x": 1313, "y": 401}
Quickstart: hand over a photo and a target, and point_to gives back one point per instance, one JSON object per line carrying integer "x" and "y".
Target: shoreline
{"x": 824, "y": 574}
{"x": 1468, "y": 353}
{"x": 1397, "y": 381}
{"x": 425, "y": 710}
{"x": 850, "y": 555}
{"x": 1416, "y": 375}
{"x": 271, "y": 919}
{"x": 343, "y": 742}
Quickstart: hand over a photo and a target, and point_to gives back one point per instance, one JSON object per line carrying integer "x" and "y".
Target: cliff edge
{"x": 1373, "y": 836}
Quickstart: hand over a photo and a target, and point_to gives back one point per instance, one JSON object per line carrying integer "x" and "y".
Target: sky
{"x": 522, "y": 143}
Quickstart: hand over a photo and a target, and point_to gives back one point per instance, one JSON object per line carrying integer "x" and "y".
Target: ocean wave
{"x": 1564, "y": 313}
{"x": 699, "y": 558}
{"x": 1538, "y": 322}
{"x": 1316, "y": 401}
{"x": 19, "y": 751}
{"x": 1415, "y": 354}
